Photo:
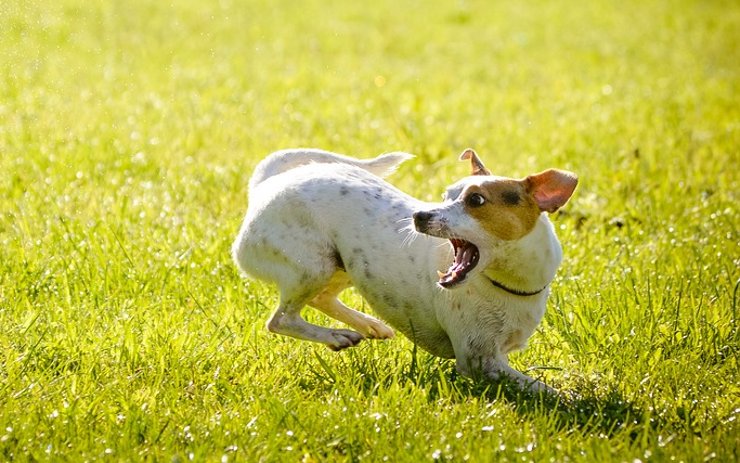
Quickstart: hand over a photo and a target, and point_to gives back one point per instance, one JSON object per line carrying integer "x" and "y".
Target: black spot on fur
{"x": 344, "y": 191}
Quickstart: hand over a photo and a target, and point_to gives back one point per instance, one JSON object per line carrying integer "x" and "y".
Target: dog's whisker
{"x": 410, "y": 231}
{"x": 410, "y": 237}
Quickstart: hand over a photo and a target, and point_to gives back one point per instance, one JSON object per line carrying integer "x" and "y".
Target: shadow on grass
{"x": 606, "y": 412}
{"x": 588, "y": 408}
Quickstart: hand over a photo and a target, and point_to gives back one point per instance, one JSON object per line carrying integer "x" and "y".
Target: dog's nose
{"x": 421, "y": 218}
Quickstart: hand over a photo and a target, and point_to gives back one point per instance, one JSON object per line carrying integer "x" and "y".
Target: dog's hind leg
{"x": 327, "y": 302}
{"x": 287, "y": 320}
{"x": 301, "y": 269}
{"x": 310, "y": 286}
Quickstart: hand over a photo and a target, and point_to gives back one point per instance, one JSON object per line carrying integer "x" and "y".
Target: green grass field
{"x": 128, "y": 131}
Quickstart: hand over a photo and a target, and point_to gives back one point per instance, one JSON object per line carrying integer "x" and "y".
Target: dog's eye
{"x": 475, "y": 200}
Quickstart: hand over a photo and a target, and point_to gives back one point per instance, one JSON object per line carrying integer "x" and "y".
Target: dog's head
{"x": 483, "y": 211}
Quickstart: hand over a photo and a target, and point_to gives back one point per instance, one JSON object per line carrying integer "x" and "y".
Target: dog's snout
{"x": 422, "y": 216}
{"x": 421, "y": 219}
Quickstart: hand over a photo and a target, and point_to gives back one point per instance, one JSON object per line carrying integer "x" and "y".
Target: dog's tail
{"x": 282, "y": 161}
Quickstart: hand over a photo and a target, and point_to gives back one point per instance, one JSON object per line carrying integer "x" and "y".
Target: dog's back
{"x": 285, "y": 160}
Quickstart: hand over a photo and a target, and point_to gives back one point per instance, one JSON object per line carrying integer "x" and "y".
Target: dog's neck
{"x": 528, "y": 265}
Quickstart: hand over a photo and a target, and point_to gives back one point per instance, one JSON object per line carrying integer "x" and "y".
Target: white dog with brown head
{"x": 319, "y": 222}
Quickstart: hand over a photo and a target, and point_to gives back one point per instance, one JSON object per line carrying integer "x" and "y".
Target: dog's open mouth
{"x": 466, "y": 258}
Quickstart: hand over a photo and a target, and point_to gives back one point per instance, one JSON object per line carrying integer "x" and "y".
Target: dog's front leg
{"x": 497, "y": 369}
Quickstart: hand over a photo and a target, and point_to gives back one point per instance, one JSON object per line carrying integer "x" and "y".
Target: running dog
{"x": 320, "y": 222}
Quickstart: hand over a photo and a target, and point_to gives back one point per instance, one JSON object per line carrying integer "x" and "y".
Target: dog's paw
{"x": 342, "y": 339}
{"x": 538, "y": 387}
{"x": 376, "y": 329}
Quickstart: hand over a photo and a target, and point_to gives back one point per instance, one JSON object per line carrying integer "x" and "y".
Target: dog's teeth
{"x": 440, "y": 274}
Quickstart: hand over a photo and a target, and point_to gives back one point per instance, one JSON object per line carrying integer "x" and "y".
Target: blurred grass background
{"x": 127, "y": 135}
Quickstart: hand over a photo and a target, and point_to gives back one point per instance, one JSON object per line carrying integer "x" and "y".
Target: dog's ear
{"x": 552, "y": 188}
{"x": 475, "y": 163}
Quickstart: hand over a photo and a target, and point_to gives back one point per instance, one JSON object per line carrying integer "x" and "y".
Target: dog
{"x": 319, "y": 222}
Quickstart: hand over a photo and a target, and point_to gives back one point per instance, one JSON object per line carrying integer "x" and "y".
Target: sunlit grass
{"x": 127, "y": 134}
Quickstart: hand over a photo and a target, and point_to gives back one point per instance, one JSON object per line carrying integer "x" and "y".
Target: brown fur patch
{"x": 509, "y": 212}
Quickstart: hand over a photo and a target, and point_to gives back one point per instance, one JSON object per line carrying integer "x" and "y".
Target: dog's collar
{"x": 516, "y": 292}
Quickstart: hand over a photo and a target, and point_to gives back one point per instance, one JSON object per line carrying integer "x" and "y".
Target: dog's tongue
{"x": 466, "y": 258}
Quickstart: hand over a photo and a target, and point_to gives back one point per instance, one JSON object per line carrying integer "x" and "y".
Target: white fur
{"x": 319, "y": 222}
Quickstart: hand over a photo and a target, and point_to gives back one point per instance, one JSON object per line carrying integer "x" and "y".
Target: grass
{"x": 127, "y": 134}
